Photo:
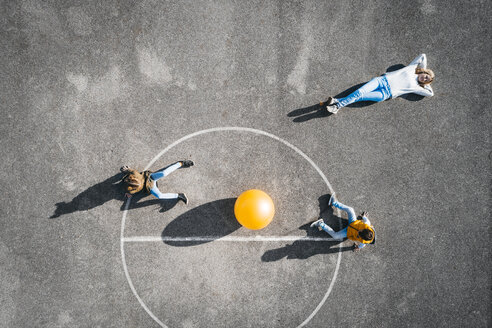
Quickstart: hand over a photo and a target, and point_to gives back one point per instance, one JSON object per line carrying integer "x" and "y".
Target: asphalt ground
{"x": 89, "y": 86}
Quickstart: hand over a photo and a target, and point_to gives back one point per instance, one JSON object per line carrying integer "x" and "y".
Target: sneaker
{"x": 317, "y": 224}
{"x": 365, "y": 214}
{"x": 332, "y": 108}
{"x": 187, "y": 163}
{"x": 183, "y": 198}
{"x": 124, "y": 168}
{"x": 332, "y": 199}
{"x": 330, "y": 101}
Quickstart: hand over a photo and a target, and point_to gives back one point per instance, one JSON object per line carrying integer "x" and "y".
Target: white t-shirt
{"x": 405, "y": 80}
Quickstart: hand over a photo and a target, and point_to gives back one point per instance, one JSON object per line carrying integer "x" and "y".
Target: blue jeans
{"x": 351, "y": 218}
{"x": 375, "y": 90}
{"x": 160, "y": 174}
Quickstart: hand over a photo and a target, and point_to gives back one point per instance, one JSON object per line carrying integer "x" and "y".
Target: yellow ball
{"x": 254, "y": 209}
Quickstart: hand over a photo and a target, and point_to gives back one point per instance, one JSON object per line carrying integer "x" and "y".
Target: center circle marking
{"x": 218, "y": 129}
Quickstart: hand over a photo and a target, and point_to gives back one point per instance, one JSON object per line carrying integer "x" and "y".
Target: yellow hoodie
{"x": 354, "y": 228}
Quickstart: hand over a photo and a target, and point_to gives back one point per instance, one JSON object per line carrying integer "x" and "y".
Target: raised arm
{"x": 425, "y": 91}
{"x": 420, "y": 61}
{"x": 366, "y": 220}
{"x": 362, "y": 245}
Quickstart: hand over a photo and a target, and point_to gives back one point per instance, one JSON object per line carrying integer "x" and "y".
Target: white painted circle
{"x": 233, "y": 128}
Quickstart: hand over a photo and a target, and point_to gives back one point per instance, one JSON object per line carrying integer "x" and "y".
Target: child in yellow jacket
{"x": 360, "y": 231}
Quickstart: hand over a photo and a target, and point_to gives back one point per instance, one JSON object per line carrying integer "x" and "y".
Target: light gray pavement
{"x": 89, "y": 86}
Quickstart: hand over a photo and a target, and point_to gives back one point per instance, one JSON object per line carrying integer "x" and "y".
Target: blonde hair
{"x": 426, "y": 71}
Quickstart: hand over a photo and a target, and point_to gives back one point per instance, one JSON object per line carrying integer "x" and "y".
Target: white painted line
{"x": 332, "y": 283}
{"x": 125, "y": 268}
{"x": 142, "y": 239}
{"x": 242, "y": 129}
{"x": 219, "y": 129}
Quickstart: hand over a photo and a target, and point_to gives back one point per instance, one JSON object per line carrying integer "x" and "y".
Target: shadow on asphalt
{"x": 213, "y": 219}
{"x": 166, "y": 204}
{"x": 308, "y": 113}
{"x": 304, "y": 249}
{"x": 92, "y": 197}
{"x": 319, "y": 110}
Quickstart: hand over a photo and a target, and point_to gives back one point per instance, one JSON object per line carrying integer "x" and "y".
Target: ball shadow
{"x": 213, "y": 220}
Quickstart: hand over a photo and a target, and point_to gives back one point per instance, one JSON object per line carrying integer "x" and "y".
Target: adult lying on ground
{"x": 414, "y": 78}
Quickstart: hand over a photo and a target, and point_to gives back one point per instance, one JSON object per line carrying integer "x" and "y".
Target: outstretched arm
{"x": 362, "y": 245}
{"x": 420, "y": 61}
{"x": 359, "y": 247}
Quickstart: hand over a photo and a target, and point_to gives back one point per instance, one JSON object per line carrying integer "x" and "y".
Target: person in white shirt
{"x": 414, "y": 78}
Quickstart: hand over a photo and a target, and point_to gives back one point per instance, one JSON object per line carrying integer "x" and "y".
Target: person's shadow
{"x": 92, "y": 197}
{"x": 202, "y": 224}
{"x": 303, "y": 249}
{"x": 319, "y": 110}
{"x": 103, "y": 192}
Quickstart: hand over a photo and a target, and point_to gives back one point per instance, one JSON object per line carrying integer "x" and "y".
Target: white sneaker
{"x": 332, "y": 108}
{"x": 328, "y": 102}
{"x": 316, "y": 224}
{"x": 332, "y": 199}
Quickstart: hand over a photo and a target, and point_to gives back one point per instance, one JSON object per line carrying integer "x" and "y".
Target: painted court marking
{"x": 143, "y": 239}
{"x": 124, "y": 239}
